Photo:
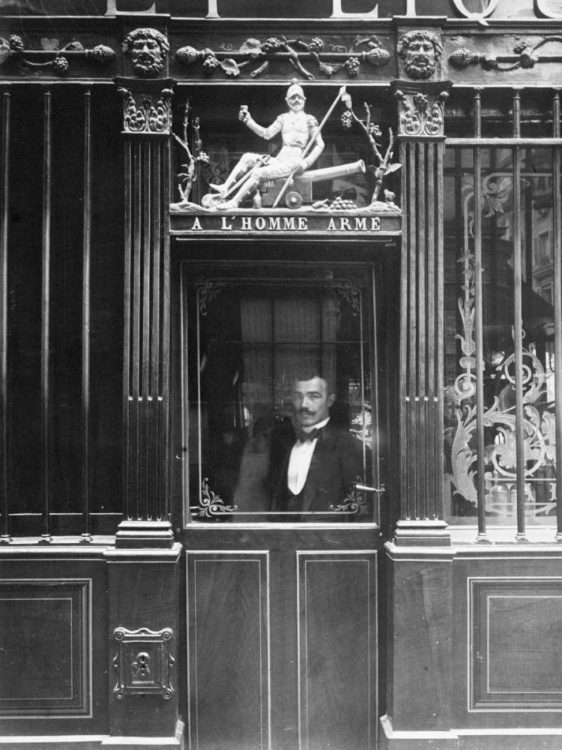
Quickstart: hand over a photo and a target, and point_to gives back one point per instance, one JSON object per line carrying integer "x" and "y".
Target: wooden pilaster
{"x": 146, "y": 131}
{"x": 421, "y": 137}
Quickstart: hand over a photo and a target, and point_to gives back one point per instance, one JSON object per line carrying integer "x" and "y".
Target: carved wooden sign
{"x": 284, "y": 223}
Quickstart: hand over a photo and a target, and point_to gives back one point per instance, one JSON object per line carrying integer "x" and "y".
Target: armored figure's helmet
{"x": 295, "y": 90}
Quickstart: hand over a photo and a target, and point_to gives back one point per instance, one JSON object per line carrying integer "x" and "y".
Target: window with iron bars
{"x": 503, "y": 313}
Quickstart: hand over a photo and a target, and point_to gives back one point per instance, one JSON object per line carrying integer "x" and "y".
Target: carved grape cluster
{"x": 60, "y": 66}
{"x": 210, "y": 64}
{"x": 316, "y": 45}
{"x": 347, "y": 119}
{"x": 353, "y": 65}
{"x": 16, "y": 43}
{"x": 272, "y": 45}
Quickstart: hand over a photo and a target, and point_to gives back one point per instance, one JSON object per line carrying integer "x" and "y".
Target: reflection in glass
{"x": 504, "y": 249}
{"x": 277, "y": 357}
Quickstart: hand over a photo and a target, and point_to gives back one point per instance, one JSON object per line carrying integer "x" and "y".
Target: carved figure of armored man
{"x": 297, "y": 130}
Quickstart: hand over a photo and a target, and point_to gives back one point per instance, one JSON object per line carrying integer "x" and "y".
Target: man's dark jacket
{"x": 336, "y": 465}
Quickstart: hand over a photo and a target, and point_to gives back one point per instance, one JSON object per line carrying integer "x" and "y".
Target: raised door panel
{"x": 228, "y": 650}
{"x": 337, "y": 650}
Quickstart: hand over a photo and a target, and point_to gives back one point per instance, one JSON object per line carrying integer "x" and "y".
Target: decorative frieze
{"x": 51, "y": 57}
{"x": 525, "y": 55}
{"x": 255, "y": 55}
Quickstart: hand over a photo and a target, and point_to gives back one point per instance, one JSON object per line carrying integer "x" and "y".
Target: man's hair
{"x": 310, "y": 373}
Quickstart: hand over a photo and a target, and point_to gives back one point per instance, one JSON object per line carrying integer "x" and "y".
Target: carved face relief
{"x": 148, "y": 49}
{"x": 420, "y": 52}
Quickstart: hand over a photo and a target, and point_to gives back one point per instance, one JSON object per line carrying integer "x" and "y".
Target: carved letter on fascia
{"x": 112, "y": 10}
{"x": 481, "y": 15}
{"x": 337, "y": 11}
{"x": 542, "y": 7}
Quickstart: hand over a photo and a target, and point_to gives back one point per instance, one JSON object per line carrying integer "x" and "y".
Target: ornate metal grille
{"x": 503, "y": 312}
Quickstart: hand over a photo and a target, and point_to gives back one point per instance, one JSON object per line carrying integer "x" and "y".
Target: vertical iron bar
{"x": 557, "y": 256}
{"x": 5, "y": 195}
{"x": 86, "y": 301}
{"x": 479, "y": 324}
{"x": 45, "y": 312}
{"x": 518, "y": 321}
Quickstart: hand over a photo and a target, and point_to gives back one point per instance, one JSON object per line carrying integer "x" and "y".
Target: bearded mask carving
{"x": 420, "y": 51}
{"x": 148, "y": 49}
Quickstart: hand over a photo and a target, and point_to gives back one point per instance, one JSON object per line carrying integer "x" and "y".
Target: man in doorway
{"x": 297, "y": 130}
{"x": 314, "y": 463}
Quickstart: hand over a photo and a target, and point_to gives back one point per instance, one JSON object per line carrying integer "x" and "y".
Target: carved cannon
{"x": 300, "y": 190}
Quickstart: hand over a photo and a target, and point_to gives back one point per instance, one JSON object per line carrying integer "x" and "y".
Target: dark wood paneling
{"x": 45, "y": 660}
{"x": 228, "y": 650}
{"x": 515, "y": 630}
{"x": 337, "y": 650}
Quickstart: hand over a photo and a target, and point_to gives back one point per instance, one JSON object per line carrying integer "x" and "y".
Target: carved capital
{"x": 147, "y": 110}
{"x": 421, "y": 109}
{"x": 143, "y": 662}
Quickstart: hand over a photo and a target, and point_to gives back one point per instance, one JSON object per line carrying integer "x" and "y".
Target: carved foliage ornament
{"x": 524, "y": 56}
{"x": 419, "y": 52}
{"x": 149, "y": 115}
{"x": 51, "y": 55}
{"x": 148, "y": 49}
{"x": 421, "y": 114}
{"x": 329, "y": 59}
{"x": 143, "y": 662}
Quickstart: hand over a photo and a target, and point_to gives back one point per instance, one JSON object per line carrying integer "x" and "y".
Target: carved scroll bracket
{"x": 143, "y": 662}
{"x": 147, "y": 108}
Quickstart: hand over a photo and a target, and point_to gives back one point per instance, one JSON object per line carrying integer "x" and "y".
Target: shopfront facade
{"x": 166, "y": 279}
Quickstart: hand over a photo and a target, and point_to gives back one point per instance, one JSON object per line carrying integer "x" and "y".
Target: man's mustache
{"x": 307, "y": 412}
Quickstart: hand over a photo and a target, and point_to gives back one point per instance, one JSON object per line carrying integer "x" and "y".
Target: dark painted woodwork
{"x": 142, "y": 593}
{"x": 337, "y": 649}
{"x": 419, "y": 635}
{"x": 282, "y": 637}
{"x": 421, "y": 331}
{"x": 63, "y": 364}
{"x": 506, "y": 625}
{"x": 147, "y": 329}
{"x": 4, "y": 228}
{"x": 53, "y": 654}
{"x": 229, "y": 649}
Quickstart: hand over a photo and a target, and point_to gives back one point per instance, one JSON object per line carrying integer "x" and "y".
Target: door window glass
{"x": 279, "y": 416}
